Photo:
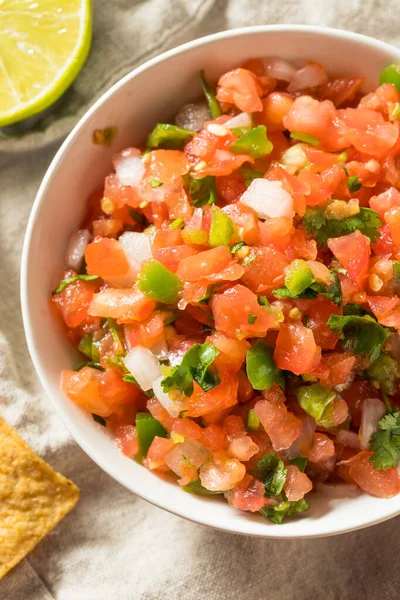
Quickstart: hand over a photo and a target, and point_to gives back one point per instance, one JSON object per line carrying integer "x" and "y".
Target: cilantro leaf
{"x": 250, "y": 174}
{"x": 195, "y": 366}
{"x": 386, "y": 371}
{"x": 201, "y": 191}
{"x": 253, "y": 142}
{"x": 299, "y": 462}
{"x": 99, "y": 420}
{"x": 66, "y": 282}
{"x": 353, "y": 184}
{"x": 272, "y": 473}
{"x": 316, "y": 223}
{"x": 277, "y": 513}
{"x": 332, "y": 291}
{"x": 168, "y": 136}
{"x": 360, "y": 335}
{"x": 386, "y": 443}
{"x": 251, "y": 319}
{"x": 355, "y": 309}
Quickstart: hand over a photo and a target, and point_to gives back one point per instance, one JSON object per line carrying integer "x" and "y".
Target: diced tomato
{"x": 232, "y": 351}
{"x": 384, "y": 244}
{"x": 296, "y": 349}
{"x": 231, "y": 311}
{"x": 74, "y": 301}
{"x": 106, "y": 258}
{"x": 165, "y": 165}
{"x": 367, "y": 131}
{"x": 265, "y": 269}
{"x": 280, "y": 424}
{"x": 231, "y": 187}
{"x": 342, "y": 90}
{"x": 384, "y": 201}
{"x": 297, "y": 484}
{"x": 383, "y": 484}
{"x": 126, "y": 439}
{"x": 107, "y": 227}
{"x": 246, "y": 220}
{"x": 386, "y": 309}
{"x": 147, "y": 333}
{"x": 126, "y": 305}
{"x": 99, "y": 392}
{"x": 318, "y": 312}
{"x": 355, "y": 394}
{"x": 276, "y": 232}
{"x": 212, "y": 265}
{"x": 187, "y": 428}
{"x": 249, "y": 495}
{"x": 213, "y": 438}
{"x": 240, "y": 87}
{"x": 222, "y": 396}
{"x": 322, "y": 449}
{"x": 118, "y": 195}
{"x": 275, "y": 108}
{"x": 335, "y": 369}
{"x": 159, "y": 448}
{"x": 353, "y": 252}
{"x": 317, "y": 119}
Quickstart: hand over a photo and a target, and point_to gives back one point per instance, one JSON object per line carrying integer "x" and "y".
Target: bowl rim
{"x": 95, "y": 455}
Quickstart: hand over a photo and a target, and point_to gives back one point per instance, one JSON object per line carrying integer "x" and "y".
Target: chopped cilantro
{"x": 277, "y": 513}
{"x": 272, "y": 473}
{"x": 138, "y": 217}
{"x": 386, "y": 442}
{"x": 201, "y": 191}
{"x": 195, "y": 365}
{"x": 252, "y": 319}
{"x": 250, "y": 174}
{"x": 93, "y": 365}
{"x": 248, "y": 260}
{"x": 66, "y": 282}
{"x": 366, "y": 221}
{"x": 299, "y": 462}
{"x": 353, "y": 184}
{"x": 195, "y": 487}
{"x": 386, "y": 371}
{"x": 344, "y": 169}
{"x": 360, "y": 335}
{"x": 355, "y": 309}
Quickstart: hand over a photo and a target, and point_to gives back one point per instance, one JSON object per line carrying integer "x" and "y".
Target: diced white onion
{"x": 143, "y": 365}
{"x": 136, "y": 245}
{"x": 164, "y": 399}
{"x": 192, "y": 116}
{"x": 241, "y": 120}
{"x": 304, "y": 440}
{"x": 76, "y": 249}
{"x": 348, "y": 438}
{"x": 268, "y": 199}
{"x": 309, "y": 76}
{"x": 129, "y": 169}
{"x": 295, "y": 156}
{"x": 278, "y": 68}
{"x": 372, "y": 411}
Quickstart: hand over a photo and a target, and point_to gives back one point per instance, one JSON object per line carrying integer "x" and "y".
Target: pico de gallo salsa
{"x": 234, "y": 290}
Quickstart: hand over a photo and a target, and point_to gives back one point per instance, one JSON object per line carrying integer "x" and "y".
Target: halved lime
{"x": 43, "y": 46}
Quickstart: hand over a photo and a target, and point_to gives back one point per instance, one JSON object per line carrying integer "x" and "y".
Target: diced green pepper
{"x": 315, "y": 399}
{"x": 391, "y": 74}
{"x": 158, "y": 283}
{"x": 260, "y": 366}
{"x": 197, "y": 237}
{"x": 253, "y": 422}
{"x": 298, "y": 276}
{"x": 386, "y": 371}
{"x": 168, "y": 136}
{"x": 222, "y": 228}
{"x": 253, "y": 142}
{"x": 303, "y": 137}
{"x": 66, "y": 282}
{"x": 177, "y": 223}
{"x": 211, "y": 97}
{"x": 396, "y": 276}
{"x": 147, "y": 428}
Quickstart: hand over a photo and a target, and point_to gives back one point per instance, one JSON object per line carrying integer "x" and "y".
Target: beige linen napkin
{"x": 115, "y": 546}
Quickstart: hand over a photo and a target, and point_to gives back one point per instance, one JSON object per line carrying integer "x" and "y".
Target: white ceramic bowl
{"x": 152, "y": 93}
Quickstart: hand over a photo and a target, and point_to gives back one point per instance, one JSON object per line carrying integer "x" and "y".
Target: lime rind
{"x": 67, "y": 73}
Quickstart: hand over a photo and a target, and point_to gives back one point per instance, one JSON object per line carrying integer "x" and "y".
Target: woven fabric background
{"x": 115, "y": 546}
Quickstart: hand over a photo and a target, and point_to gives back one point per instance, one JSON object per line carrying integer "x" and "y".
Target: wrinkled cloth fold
{"x": 114, "y": 545}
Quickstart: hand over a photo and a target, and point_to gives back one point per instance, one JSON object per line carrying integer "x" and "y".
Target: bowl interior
{"x": 148, "y": 95}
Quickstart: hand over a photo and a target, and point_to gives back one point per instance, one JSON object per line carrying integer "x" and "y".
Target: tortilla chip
{"x": 33, "y": 498}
